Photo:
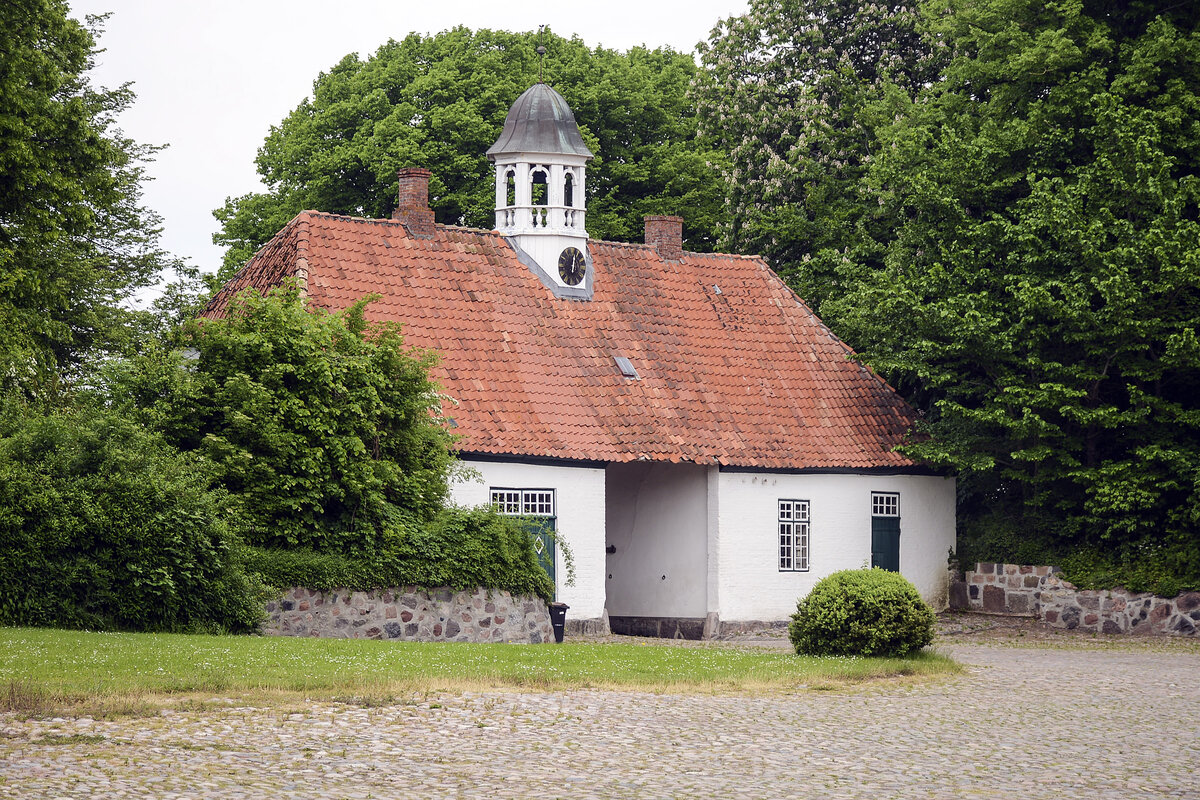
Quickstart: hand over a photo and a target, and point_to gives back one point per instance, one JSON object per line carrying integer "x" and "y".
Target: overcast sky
{"x": 211, "y": 77}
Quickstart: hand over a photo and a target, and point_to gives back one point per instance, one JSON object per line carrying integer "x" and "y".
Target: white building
{"x": 704, "y": 444}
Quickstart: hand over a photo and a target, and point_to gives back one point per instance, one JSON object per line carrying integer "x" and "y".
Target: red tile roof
{"x": 747, "y": 376}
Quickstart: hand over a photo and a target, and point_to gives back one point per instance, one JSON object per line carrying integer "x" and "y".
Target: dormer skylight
{"x": 626, "y": 367}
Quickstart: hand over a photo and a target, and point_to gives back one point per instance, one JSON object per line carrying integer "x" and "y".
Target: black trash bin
{"x": 558, "y": 620}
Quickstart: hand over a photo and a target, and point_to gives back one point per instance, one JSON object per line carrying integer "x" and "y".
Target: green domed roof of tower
{"x": 540, "y": 121}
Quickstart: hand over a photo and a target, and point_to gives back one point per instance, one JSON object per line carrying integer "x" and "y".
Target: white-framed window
{"x": 523, "y": 502}
{"x": 885, "y": 504}
{"x": 793, "y": 535}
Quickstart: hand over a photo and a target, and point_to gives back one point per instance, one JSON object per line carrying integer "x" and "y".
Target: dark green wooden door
{"x": 885, "y": 543}
{"x": 541, "y": 528}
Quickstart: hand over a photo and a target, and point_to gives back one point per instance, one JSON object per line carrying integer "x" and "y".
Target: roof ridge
{"x": 644, "y": 246}
{"x": 261, "y": 271}
{"x": 274, "y": 240}
{"x": 469, "y": 228}
{"x": 718, "y": 254}
{"x": 302, "y": 223}
{"x": 395, "y": 222}
{"x": 350, "y": 217}
{"x": 494, "y": 232}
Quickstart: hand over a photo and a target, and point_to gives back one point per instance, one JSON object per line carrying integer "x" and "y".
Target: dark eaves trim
{"x": 913, "y": 470}
{"x": 541, "y": 461}
{"x": 547, "y": 461}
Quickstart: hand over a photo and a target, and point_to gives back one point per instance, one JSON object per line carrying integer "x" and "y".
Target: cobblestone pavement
{"x": 1059, "y": 722}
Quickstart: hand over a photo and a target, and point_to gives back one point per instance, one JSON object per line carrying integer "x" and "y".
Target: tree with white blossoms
{"x": 1004, "y": 222}
{"x": 1039, "y": 299}
{"x": 789, "y": 91}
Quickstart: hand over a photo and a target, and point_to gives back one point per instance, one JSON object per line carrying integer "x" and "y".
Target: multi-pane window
{"x": 537, "y": 506}
{"x": 793, "y": 535}
{"x": 885, "y": 504}
{"x": 524, "y": 502}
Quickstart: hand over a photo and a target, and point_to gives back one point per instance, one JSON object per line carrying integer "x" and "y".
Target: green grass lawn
{"x": 43, "y": 669}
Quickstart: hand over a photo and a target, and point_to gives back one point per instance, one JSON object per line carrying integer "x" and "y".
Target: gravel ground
{"x": 1054, "y": 718}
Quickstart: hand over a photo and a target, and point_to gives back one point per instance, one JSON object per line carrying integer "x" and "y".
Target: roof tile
{"x": 747, "y": 377}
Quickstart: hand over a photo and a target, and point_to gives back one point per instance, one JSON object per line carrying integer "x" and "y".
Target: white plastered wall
{"x": 750, "y": 584}
{"x": 658, "y": 526}
{"x": 579, "y": 500}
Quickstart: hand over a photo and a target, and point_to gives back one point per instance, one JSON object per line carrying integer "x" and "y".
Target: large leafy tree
{"x": 439, "y": 102}
{"x": 1040, "y": 293}
{"x": 996, "y": 202}
{"x": 791, "y": 90}
{"x": 74, "y": 241}
{"x": 320, "y": 426}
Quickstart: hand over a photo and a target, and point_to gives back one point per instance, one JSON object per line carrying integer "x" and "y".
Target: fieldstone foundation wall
{"x": 734, "y": 629}
{"x": 712, "y": 627}
{"x": 440, "y": 615}
{"x": 597, "y": 626}
{"x": 1040, "y": 592}
{"x": 658, "y": 627}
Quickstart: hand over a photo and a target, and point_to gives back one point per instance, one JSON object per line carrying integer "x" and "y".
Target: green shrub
{"x": 1002, "y": 538}
{"x": 862, "y": 612}
{"x": 1165, "y": 564}
{"x": 324, "y": 428}
{"x": 104, "y": 526}
{"x": 460, "y": 548}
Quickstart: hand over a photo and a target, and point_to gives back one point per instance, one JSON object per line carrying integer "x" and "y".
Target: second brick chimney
{"x": 665, "y": 235}
{"x": 413, "y": 209}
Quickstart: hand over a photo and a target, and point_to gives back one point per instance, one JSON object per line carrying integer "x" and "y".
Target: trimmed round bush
{"x": 862, "y": 612}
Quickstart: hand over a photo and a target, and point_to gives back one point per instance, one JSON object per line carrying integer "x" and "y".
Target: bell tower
{"x": 540, "y": 163}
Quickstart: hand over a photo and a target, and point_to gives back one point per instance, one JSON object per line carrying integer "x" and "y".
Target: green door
{"x": 541, "y": 528}
{"x": 885, "y": 543}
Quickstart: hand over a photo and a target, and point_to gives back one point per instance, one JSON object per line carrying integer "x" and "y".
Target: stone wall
{"x": 587, "y": 627}
{"x": 440, "y": 615}
{"x": 659, "y": 627}
{"x": 1040, "y": 592}
{"x": 1003, "y": 588}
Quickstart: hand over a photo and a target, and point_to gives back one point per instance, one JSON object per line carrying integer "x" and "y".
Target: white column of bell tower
{"x": 524, "y": 214}
{"x": 554, "y": 197}
{"x": 579, "y": 216}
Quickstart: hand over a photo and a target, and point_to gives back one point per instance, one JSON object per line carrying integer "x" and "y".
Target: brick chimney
{"x": 665, "y": 235}
{"x": 413, "y": 209}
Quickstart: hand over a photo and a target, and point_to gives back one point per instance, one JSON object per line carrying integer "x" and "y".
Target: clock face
{"x": 571, "y": 266}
